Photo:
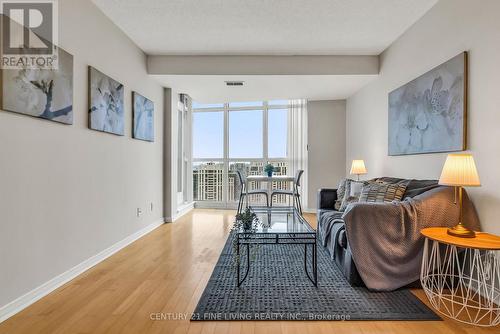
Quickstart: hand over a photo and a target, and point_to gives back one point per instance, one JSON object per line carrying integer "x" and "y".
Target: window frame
{"x": 226, "y": 160}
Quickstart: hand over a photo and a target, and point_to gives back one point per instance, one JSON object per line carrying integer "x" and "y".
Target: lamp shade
{"x": 358, "y": 167}
{"x": 459, "y": 170}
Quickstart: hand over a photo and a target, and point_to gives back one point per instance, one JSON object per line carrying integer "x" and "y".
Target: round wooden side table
{"x": 461, "y": 276}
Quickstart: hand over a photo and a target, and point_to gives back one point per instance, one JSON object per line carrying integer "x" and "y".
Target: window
{"x": 278, "y": 133}
{"x": 246, "y": 104}
{"x": 208, "y": 134}
{"x": 242, "y": 136}
{"x": 207, "y": 105}
{"x": 245, "y": 134}
{"x": 208, "y": 181}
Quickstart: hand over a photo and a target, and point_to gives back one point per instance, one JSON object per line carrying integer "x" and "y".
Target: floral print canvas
{"x": 143, "y": 117}
{"x": 428, "y": 114}
{"x": 106, "y": 103}
{"x": 42, "y": 93}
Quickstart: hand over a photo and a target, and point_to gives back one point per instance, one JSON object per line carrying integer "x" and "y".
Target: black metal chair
{"x": 245, "y": 192}
{"x": 294, "y": 192}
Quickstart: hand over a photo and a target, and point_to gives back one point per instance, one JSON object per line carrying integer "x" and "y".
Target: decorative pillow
{"x": 340, "y": 194}
{"x": 382, "y": 192}
{"x": 352, "y": 193}
{"x": 356, "y": 187}
{"x": 347, "y": 201}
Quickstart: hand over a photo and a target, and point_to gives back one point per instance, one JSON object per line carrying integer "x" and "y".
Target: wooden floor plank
{"x": 153, "y": 285}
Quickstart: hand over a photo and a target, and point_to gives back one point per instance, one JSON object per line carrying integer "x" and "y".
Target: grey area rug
{"x": 277, "y": 288}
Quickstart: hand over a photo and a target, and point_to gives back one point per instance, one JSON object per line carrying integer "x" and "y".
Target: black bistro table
{"x": 280, "y": 226}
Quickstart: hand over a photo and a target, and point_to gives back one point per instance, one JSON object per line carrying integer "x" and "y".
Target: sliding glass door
{"x": 240, "y": 136}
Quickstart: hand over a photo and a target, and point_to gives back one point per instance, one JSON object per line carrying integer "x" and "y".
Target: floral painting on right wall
{"x": 429, "y": 114}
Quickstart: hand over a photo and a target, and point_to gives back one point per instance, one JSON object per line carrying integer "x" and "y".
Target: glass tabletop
{"x": 275, "y": 220}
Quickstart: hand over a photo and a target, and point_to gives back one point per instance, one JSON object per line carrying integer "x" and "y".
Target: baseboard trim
{"x": 181, "y": 211}
{"x": 34, "y": 295}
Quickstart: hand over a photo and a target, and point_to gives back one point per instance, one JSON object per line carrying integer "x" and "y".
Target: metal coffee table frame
{"x": 308, "y": 239}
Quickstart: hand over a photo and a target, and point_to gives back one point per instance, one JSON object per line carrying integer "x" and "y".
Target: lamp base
{"x": 461, "y": 231}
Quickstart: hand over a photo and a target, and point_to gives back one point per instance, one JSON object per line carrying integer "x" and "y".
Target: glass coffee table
{"x": 279, "y": 226}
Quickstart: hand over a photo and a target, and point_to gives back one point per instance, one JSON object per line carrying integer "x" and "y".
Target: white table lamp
{"x": 460, "y": 171}
{"x": 358, "y": 168}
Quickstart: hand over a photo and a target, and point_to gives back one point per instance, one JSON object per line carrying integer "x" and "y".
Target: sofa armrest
{"x": 326, "y": 199}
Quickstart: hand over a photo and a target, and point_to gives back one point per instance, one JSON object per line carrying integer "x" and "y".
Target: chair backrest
{"x": 240, "y": 177}
{"x": 298, "y": 176}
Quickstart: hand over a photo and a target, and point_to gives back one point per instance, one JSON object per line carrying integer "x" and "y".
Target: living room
{"x": 250, "y": 166}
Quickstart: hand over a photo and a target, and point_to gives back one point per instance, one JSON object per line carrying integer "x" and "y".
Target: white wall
{"x": 327, "y": 146}
{"x": 67, "y": 192}
{"x": 449, "y": 28}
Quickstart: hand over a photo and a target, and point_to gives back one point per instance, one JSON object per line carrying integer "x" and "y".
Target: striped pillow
{"x": 383, "y": 192}
{"x": 340, "y": 193}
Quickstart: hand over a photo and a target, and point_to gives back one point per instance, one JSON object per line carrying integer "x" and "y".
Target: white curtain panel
{"x": 297, "y": 143}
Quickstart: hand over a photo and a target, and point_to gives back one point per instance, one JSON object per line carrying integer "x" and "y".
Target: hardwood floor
{"x": 165, "y": 272}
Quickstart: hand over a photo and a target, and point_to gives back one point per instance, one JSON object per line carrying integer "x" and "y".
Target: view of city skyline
{"x": 244, "y": 129}
{"x": 208, "y": 181}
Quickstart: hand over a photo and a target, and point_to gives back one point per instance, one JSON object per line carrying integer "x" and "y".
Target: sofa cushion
{"x": 355, "y": 188}
{"x": 382, "y": 192}
{"x": 352, "y": 193}
{"x": 414, "y": 187}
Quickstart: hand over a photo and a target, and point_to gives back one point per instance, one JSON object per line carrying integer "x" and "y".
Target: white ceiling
{"x": 264, "y": 27}
{"x": 211, "y": 88}
{"x": 269, "y": 27}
